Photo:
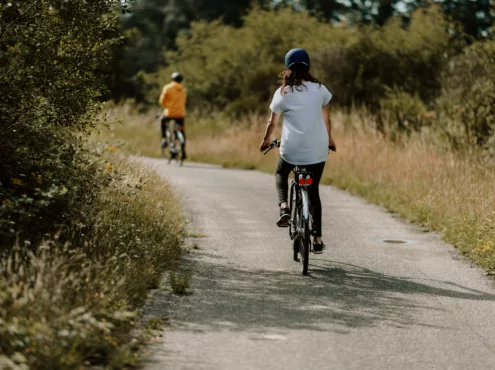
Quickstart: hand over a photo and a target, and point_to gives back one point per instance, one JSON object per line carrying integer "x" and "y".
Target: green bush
{"x": 411, "y": 58}
{"x": 467, "y": 102}
{"x": 179, "y": 282}
{"x": 404, "y": 113}
{"x": 408, "y": 76}
{"x": 51, "y": 55}
{"x": 239, "y": 66}
{"x": 225, "y": 65}
{"x": 82, "y": 234}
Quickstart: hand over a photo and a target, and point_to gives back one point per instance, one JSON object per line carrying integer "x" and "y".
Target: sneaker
{"x": 284, "y": 219}
{"x": 318, "y": 248}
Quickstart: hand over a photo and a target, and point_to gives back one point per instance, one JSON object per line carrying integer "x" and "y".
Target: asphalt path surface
{"x": 366, "y": 304}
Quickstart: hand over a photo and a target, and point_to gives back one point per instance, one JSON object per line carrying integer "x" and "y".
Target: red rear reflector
{"x": 301, "y": 181}
{"x": 309, "y": 181}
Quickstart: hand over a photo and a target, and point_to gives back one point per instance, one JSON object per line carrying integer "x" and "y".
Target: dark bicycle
{"x": 176, "y": 143}
{"x": 301, "y": 221}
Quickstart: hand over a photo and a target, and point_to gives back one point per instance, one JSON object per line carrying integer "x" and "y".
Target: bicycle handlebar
{"x": 275, "y": 143}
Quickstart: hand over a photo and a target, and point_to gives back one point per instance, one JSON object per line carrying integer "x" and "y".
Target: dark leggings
{"x": 282, "y": 180}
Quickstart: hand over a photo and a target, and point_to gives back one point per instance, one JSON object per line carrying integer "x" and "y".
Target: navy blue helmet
{"x": 297, "y": 56}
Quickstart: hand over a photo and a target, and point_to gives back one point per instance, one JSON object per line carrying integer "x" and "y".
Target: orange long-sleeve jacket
{"x": 173, "y": 99}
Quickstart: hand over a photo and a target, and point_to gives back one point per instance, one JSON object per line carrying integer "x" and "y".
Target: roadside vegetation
{"x": 84, "y": 234}
{"x": 442, "y": 190}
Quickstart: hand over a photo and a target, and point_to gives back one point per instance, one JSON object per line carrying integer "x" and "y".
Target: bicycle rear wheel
{"x": 304, "y": 246}
{"x": 293, "y": 222}
{"x": 175, "y": 150}
{"x": 304, "y": 230}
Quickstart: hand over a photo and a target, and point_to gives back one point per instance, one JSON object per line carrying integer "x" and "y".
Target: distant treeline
{"x": 427, "y": 70}
{"x": 152, "y": 27}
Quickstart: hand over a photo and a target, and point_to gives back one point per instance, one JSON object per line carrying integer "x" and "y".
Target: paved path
{"x": 366, "y": 305}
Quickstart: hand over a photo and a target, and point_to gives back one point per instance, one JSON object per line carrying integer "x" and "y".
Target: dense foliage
{"x": 82, "y": 237}
{"x": 410, "y": 77}
{"x": 51, "y": 52}
{"x": 151, "y": 29}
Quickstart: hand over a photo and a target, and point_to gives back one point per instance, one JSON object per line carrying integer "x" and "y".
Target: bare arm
{"x": 328, "y": 124}
{"x": 270, "y": 127}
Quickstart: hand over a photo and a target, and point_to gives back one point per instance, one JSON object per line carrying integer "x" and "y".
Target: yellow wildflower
{"x": 111, "y": 148}
{"x": 8, "y": 203}
{"x": 109, "y": 167}
{"x": 17, "y": 182}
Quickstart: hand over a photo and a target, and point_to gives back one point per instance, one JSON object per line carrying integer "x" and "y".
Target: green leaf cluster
{"x": 51, "y": 53}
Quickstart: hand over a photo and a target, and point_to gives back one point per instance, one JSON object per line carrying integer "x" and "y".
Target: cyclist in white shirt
{"x": 306, "y": 134}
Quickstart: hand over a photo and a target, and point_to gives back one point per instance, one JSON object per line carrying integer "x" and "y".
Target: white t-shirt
{"x": 304, "y": 135}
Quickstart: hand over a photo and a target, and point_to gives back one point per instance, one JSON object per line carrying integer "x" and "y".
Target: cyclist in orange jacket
{"x": 173, "y": 99}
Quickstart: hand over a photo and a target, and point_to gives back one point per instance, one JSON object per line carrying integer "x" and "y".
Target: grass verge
{"x": 72, "y": 302}
{"x": 443, "y": 191}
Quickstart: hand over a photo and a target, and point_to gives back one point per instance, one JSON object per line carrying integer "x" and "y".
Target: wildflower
{"x": 430, "y": 115}
{"x": 111, "y": 148}
{"x": 109, "y": 167}
{"x": 17, "y": 182}
{"x": 8, "y": 203}
{"x": 37, "y": 178}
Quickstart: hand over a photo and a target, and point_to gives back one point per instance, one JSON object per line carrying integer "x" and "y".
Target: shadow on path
{"x": 336, "y": 297}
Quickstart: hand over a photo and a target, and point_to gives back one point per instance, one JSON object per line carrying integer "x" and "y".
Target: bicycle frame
{"x": 306, "y": 205}
{"x": 177, "y": 134}
{"x": 176, "y": 142}
{"x": 302, "y": 192}
{"x": 300, "y": 224}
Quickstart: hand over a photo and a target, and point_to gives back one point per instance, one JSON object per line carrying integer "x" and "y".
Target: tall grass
{"x": 450, "y": 192}
{"x": 71, "y": 304}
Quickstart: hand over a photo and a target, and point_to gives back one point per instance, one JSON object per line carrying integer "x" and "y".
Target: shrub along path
{"x": 367, "y": 304}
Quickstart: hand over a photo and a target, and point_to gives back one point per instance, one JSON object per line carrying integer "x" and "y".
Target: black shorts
{"x": 179, "y": 121}
{"x": 165, "y": 122}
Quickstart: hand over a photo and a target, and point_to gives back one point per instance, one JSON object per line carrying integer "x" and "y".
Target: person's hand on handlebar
{"x": 331, "y": 145}
{"x": 265, "y": 145}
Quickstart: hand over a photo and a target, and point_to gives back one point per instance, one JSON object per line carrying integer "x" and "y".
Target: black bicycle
{"x": 301, "y": 221}
{"x": 176, "y": 143}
